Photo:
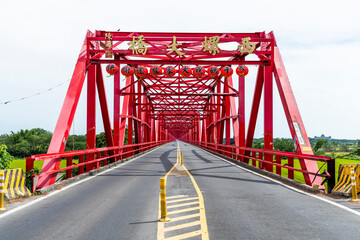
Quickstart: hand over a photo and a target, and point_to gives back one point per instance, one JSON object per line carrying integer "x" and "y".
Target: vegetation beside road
{"x": 25, "y": 143}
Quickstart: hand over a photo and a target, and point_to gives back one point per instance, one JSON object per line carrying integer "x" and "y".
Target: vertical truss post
{"x": 157, "y": 137}
{"x": 104, "y": 106}
{"x": 218, "y": 116}
{"x": 227, "y": 112}
{"x": 212, "y": 120}
{"x": 204, "y": 132}
{"x": 130, "y": 113}
{"x": 117, "y": 108}
{"x": 137, "y": 112}
{"x": 222, "y": 122}
{"x": 268, "y": 116}
{"x": 146, "y": 120}
{"x": 124, "y": 113}
{"x": 241, "y": 113}
{"x": 91, "y": 115}
{"x": 234, "y": 113}
{"x": 153, "y": 136}
{"x": 254, "y": 109}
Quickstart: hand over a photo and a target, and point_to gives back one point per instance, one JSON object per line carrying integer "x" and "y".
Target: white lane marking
{"x": 289, "y": 187}
{"x": 41, "y": 198}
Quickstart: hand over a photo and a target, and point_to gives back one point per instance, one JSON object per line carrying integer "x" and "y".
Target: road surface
{"x": 123, "y": 203}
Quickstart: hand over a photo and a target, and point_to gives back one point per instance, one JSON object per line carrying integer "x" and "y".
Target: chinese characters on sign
{"x": 174, "y": 46}
{"x": 211, "y": 45}
{"x": 246, "y": 46}
{"x": 139, "y": 46}
{"x": 108, "y": 45}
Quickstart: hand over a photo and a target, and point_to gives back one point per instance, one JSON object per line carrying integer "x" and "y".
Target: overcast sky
{"x": 319, "y": 42}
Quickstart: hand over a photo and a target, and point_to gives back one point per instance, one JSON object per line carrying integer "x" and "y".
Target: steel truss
{"x": 158, "y": 109}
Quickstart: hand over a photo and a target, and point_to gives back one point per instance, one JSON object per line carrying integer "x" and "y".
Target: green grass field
{"x": 299, "y": 177}
{"x": 20, "y": 163}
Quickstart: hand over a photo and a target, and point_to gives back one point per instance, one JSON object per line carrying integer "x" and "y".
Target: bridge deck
{"x": 122, "y": 203}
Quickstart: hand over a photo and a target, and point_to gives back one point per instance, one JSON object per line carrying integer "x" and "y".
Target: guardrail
{"x": 89, "y": 159}
{"x": 281, "y": 160}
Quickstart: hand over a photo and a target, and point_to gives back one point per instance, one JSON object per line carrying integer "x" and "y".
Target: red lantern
{"x": 242, "y": 70}
{"x": 213, "y": 71}
{"x": 226, "y": 71}
{"x": 112, "y": 69}
{"x": 156, "y": 70}
{"x": 185, "y": 71}
{"x": 198, "y": 71}
{"x": 127, "y": 71}
{"x": 141, "y": 71}
{"x": 170, "y": 71}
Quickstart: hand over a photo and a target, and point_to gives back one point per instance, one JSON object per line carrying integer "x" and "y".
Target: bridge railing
{"x": 284, "y": 164}
{"x": 81, "y": 161}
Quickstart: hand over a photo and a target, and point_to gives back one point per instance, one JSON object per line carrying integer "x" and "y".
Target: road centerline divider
{"x": 190, "y": 208}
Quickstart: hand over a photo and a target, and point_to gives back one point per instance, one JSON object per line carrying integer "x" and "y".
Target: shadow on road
{"x": 234, "y": 178}
{"x": 201, "y": 157}
{"x": 164, "y": 158}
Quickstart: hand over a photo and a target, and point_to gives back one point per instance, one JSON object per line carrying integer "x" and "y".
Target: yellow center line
{"x": 202, "y": 222}
{"x": 160, "y": 232}
{"x": 177, "y": 161}
{"x": 204, "y": 229}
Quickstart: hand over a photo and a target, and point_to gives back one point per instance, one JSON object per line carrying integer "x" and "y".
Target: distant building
{"x": 323, "y": 137}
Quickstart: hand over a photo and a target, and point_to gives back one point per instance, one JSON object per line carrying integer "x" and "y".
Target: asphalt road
{"x": 123, "y": 204}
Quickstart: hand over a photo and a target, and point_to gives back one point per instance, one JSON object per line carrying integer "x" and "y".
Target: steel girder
{"x": 157, "y": 108}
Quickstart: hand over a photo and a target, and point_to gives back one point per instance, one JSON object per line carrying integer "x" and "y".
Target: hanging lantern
{"x": 198, "y": 72}
{"x": 170, "y": 71}
{"x": 112, "y": 69}
{"x": 156, "y": 70}
{"x": 127, "y": 71}
{"x": 141, "y": 71}
{"x": 185, "y": 71}
{"x": 226, "y": 71}
{"x": 242, "y": 70}
{"x": 213, "y": 71}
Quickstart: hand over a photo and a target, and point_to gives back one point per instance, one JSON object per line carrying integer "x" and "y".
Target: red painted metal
{"x": 66, "y": 117}
{"x": 91, "y": 115}
{"x": 200, "y": 108}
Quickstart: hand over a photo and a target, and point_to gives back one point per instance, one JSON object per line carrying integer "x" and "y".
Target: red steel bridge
{"x": 181, "y": 86}
{"x": 179, "y": 98}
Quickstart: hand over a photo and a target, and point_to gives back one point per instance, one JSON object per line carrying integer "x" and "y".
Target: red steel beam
{"x": 66, "y": 117}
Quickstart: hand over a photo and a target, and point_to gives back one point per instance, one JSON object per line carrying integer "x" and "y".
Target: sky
{"x": 319, "y": 42}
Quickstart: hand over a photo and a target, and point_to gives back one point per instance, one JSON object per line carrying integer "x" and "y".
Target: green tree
{"x": 344, "y": 147}
{"x": 319, "y": 144}
{"x": 283, "y": 144}
{"x": 101, "y": 140}
{"x": 5, "y": 157}
{"x": 75, "y": 142}
{"x": 258, "y": 144}
{"x": 28, "y": 142}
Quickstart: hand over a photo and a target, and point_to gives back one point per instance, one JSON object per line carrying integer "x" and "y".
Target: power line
{"x": 42, "y": 92}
